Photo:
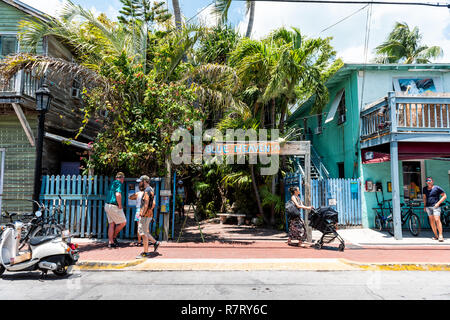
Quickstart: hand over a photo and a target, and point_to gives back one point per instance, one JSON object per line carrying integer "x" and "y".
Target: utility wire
{"x": 345, "y": 18}
{"x": 359, "y": 2}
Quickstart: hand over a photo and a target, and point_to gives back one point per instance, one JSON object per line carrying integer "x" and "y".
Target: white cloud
{"x": 349, "y": 35}
{"x": 206, "y": 17}
{"x": 50, "y": 7}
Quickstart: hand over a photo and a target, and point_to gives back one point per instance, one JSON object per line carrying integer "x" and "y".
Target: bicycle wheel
{"x": 378, "y": 224}
{"x": 414, "y": 224}
{"x": 390, "y": 226}
{"x": 46, "y": 231}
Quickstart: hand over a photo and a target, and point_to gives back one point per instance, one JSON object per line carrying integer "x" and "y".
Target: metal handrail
{"x": 317, "y": 162}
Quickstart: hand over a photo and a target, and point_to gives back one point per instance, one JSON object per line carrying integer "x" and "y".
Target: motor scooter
{"x": 53, "y": 252}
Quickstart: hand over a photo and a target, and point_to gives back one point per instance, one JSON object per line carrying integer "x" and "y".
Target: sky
{"x": 349, "y": 36}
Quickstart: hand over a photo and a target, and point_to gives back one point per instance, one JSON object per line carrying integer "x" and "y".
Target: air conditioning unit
{"x": 318, "y": 130}
{"x": 75, "y": 93}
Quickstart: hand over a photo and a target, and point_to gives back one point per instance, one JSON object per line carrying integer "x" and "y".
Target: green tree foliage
{"x": 403, "y": 45}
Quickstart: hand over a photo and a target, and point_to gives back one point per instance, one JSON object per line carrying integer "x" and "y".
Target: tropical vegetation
{"x": 403, "y": 45}
{"x": 148, "y": 74}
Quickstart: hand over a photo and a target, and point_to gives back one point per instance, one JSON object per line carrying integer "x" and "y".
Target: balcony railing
{"x": 22, "y": 83}
{"x": 406, "y": 113}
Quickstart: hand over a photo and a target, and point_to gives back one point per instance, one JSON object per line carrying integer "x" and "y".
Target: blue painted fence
{"x": 344, "y": 195}
{"x": 82, "y": 203}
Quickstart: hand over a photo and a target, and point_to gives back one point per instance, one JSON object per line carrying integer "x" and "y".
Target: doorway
{"x": 413, "y": 179}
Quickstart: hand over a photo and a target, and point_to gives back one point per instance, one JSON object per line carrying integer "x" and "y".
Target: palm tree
{"x": 403, "y": 46}
{"x": 221, "y": 8}
{"x": 177, "y": 13}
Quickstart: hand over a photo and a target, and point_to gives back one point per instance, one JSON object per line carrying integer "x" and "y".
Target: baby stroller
{"x": 325, "y": 220}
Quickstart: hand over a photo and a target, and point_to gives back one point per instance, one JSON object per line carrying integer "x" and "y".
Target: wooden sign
{"x": 265, "y": 147}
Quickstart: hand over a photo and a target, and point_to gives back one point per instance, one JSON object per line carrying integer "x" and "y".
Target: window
{"x": 417, "y": 85}
{"x": 319, "y": 124}
{"x": 412, "y": 179}
{"x": 75, "y": 93}
{"x": 8, "y": 45}
{"x": 341, "y": 170}
{"x": 342, "y": 110}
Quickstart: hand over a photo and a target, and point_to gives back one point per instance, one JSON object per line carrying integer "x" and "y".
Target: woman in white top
{"x": 138, "y": 197}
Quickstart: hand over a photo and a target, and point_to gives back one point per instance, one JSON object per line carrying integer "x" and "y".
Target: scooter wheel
{"x": 61, "y": 271}
{"x": 2, "y": 269}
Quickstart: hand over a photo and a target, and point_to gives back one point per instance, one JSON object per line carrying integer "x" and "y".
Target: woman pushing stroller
{"x": 297, "y": 230}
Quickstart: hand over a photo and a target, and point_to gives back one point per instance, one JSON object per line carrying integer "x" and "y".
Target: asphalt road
{"x": 226, "y": 285}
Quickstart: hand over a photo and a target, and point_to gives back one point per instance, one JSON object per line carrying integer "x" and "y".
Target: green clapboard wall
{"x": 20, "y": 159}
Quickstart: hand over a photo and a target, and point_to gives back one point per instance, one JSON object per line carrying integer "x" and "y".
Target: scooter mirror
{"x": 38, "y": 214}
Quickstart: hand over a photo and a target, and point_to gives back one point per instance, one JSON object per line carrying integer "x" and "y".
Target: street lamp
{"x": 43, "y": 100}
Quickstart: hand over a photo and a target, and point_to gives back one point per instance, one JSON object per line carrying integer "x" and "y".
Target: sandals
{"x": 441, "y": 239}
{"x": 434, "y": 238}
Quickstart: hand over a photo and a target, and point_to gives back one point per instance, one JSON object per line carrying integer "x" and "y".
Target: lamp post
{"x": 43, "y": 100}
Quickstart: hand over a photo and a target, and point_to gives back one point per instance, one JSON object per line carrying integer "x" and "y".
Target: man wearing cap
{"x": 146, "y": 212}
{"x": 433, "y": 196}
{"x": 114, "y": 210}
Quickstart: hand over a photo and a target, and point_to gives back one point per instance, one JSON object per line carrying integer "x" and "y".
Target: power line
{"x": 359, "y": 2}
{"x": 345, "y": 18}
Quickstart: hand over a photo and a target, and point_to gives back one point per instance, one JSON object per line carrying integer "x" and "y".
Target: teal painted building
{"x": 373, "y": 108}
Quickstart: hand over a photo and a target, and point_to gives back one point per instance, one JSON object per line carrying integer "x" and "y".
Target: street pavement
{"x": 365, "y": 249}
{"x": 246, "y": 286}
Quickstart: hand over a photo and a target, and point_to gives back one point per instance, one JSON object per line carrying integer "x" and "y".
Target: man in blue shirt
{"x": 433, "y": 196}
{"x": 114, "y": 210}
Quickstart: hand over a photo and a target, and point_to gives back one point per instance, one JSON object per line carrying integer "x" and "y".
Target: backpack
{"x": 149, "y": 212}
{"x": 291, "y": 209}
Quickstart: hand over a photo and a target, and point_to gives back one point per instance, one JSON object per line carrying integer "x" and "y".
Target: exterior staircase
{"x": 318, "y": 169}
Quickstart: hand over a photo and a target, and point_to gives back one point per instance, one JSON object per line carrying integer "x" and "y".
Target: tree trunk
{"x": 177, "y": 13}
{"x": 272, "y": 207}
{"x": 255, "y": 189}
{"x": 251, "y": 19}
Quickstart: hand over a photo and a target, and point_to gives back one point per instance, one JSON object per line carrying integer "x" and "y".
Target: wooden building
{"x": 19, "y": 118}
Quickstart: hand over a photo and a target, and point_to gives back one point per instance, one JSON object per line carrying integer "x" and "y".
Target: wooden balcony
{"x": 407, "y": 118}
{"x": 21, "y": 86}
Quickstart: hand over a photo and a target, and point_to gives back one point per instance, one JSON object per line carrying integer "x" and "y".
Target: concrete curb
{"x": 399, "y": 266}
{"x": 107, "y": 265}
{"x": 256, "y": 264}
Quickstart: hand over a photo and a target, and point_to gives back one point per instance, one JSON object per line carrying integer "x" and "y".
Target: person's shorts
{"x": 432, "y": 211}
{"x": 137, "y": 216}
{"x": 114, "y": 214}
{"x": 143, "y": 226}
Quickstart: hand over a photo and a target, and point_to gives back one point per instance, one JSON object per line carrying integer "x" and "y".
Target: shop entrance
{"x": 413, "y": 177}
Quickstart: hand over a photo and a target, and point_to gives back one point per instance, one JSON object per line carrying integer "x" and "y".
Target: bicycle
{"x": 445, "y": 214}
{"x": 407, "y": 215}
{"x": 39, "y": 225}
{"x": 380, "y": 218}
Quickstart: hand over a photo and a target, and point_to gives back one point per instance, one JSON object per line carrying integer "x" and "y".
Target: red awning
{"x": 410, "y": 150}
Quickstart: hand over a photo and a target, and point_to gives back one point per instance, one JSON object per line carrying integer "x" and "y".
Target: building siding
{"x": 20, "y": 159}
{"x": 10, "y": 18}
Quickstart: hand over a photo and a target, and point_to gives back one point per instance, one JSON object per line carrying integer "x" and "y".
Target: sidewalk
{"x": 366, "y": 249}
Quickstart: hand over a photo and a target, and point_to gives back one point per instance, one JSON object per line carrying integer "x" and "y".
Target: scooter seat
{"x": 38, "y": 240}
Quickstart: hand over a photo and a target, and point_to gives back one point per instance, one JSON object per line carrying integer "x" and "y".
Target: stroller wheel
{"x": 318, "y": 245}
{"x": 341, "y": 247}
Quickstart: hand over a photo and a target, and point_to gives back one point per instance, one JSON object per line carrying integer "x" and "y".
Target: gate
{"x": 82, "y": 201}
{"x": 343, "y": 195}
